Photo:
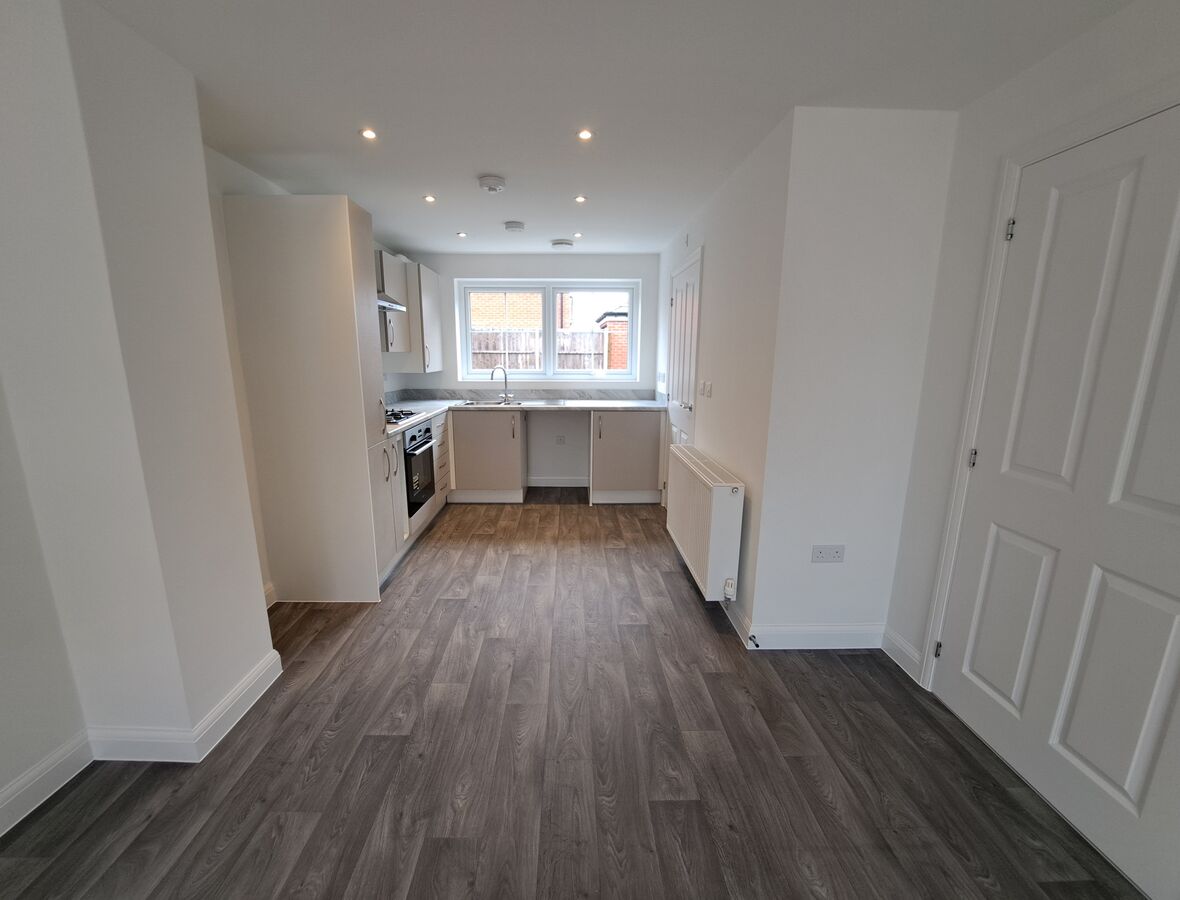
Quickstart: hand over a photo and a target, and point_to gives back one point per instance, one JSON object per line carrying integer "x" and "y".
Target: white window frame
{"x": 550, "y": 287}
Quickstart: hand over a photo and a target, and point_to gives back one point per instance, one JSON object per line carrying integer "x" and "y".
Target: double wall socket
{"x": 827, "y": 553}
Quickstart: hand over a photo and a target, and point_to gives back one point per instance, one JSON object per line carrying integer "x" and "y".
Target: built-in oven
{"x": 419, "y": 467}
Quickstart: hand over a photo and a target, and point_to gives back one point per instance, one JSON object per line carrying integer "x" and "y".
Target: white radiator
{"x": 705, "y": 519}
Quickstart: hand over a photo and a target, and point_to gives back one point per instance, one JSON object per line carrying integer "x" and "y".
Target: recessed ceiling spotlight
{"x": 581, "y": 198}
{"x": 577, "y": 234}
{"x": 368, "y": 134}
{"x": 561, "y": 242}
{"x": 460, "y": 234}
{"x": 514, "y": 226}
{"x": 430, "y": 198}
{"x": 585, "y": 134}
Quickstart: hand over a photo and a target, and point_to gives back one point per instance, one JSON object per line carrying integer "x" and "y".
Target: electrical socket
{"x": 561, "y": 439}
{"x": 827, "y": 553}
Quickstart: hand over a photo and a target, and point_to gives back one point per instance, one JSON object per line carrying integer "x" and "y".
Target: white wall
{"x": 68, "y": 399}
{"x": 641, "y": 266}
{"x": 741, "y": 229}
{"x": 553, "y": 464}
{"x": 116, "y": 374}
{"x": 139, "y": 112}
{"x": 226, "y": 176}
{"x": 38, "y": 702}
{"x": 1130, "y": 51}
{"x": 819, "y": 260}
{"x": 866, "y": 198}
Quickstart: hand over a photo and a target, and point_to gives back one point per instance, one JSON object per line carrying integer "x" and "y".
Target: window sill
{"x": 525, "y": 378}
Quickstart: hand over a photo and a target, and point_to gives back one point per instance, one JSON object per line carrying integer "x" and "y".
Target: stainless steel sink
{"x": 499, "y": 404}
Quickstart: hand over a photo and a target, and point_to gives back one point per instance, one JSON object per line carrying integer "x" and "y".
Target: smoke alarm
{"x": 493, "y": 184}
{"x": 561, "y": 242}
{"x": 514, "y": 226}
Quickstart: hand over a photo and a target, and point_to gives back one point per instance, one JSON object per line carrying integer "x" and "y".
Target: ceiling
{"x": 678, "y": 92}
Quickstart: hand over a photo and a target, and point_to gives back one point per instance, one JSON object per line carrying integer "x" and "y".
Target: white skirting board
{"x": 608, "y": 497}
{"x": 558, "y": 481}
{"x": 38, "y": 783}
{"x": 903, "y": 653}
{"x": 869, "y": 636}
{"x": 818, "y": 637}
{"x": 268, "y": 591}
{"x": 188, "y": 744}
{"x": 459, "y": 496}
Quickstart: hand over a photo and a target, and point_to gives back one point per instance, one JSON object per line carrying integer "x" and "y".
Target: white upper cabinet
{"x": 391, "y": 277}
{"x": 429, "y": 292}
{"x": 424, "y": 310}
{"x": 393, "y": 318}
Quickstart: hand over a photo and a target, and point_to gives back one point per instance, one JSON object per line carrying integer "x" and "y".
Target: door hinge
{"x": 937, "y": 649}
{"x": 671, "y": 301}
{"x": 972, "y": 458}
{"x": 1008, "y": 235}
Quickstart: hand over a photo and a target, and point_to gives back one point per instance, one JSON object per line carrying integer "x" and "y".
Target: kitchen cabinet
{"x": 442, "y": 456}
{"x": 488, "y": 449}
{"x": 382, "y": 475}
{"x": 423, "y": 301}
{"x": 395, "y": 330}
{"x": 625, "y": 456}
{"x": 391, "y": 297}
{"x": 303, "y": 273}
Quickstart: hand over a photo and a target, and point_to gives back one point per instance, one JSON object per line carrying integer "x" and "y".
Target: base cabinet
{"x": 488, "y": 448}
{"x": 625, "y": 456}
{"x": 384, "y": 527}
{"x": 442, "y": 456}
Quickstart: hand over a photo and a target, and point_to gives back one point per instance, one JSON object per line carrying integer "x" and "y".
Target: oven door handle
{"x": 418, "y": 451}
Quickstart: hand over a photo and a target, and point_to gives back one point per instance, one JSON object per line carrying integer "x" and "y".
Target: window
{"x": 549, "y": 330}
{"x": 506, "y": 328}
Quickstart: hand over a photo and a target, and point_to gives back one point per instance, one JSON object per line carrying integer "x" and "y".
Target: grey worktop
{"x": 424, "y": 410}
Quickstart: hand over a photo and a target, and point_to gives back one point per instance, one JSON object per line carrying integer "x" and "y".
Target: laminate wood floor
{"x": 542, "y": 706}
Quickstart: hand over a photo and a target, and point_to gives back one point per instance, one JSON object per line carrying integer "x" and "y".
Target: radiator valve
{"x": 730, "y": 588}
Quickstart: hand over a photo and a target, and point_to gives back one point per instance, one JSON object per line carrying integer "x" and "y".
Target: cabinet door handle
{"x": 381, "y": 400}
{"x": 600, "y": 427}
{"x": 395, "y": 461}
{"x": 388, "y": 470}
{"x": 514, "y": 428}
{"x": 426, "y": 347}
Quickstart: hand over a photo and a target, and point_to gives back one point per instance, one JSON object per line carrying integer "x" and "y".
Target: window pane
{"x": 593, "y": 331}
{"x": 506, "y": 329}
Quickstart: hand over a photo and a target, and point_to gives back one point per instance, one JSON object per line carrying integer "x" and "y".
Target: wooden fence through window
{"x": 521, "y": 349}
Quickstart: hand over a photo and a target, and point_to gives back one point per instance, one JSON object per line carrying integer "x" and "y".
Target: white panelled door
{"x": 682, "y": 349}
{"x": 1061, "y": 646}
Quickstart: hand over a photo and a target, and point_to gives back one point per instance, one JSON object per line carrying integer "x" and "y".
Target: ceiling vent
{"x": 561, "y": 242}
{"x": 514, "y": 226}
{"x": 493, "y": 184}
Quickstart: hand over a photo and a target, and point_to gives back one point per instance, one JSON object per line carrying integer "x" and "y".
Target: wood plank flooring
{"x": 542, "y": 706}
